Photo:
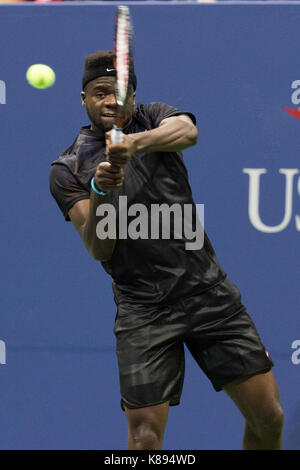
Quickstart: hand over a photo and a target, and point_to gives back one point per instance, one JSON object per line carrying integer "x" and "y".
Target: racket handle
{"x": 117, "y": 135}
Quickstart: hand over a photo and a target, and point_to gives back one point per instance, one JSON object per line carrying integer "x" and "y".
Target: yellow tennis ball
{"x": 40, "y": 76}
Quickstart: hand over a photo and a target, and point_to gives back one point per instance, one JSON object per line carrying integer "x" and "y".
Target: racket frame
{"x": 123, "y": 53}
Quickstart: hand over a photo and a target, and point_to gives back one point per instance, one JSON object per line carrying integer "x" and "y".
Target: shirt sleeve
{"x": 65, "y": 189}
{"x": 160, "y": 111}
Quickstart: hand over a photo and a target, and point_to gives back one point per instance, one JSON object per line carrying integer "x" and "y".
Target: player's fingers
{"x": 119, "y": 148}
{"x": 108, "y": 143}
{"x": 118, "y": 159}
{"x": 102, "y": 178}
{"x": 108, "y": 137}
{"x": 113, "y": 170}
{"x": 114, "y": 177}
{"x": 108, "y": 167}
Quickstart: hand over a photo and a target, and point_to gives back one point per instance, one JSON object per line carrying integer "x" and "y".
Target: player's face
{"x": 100, "y": 103}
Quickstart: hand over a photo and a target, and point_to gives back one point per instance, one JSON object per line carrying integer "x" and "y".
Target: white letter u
{"x": 253, "y": 203}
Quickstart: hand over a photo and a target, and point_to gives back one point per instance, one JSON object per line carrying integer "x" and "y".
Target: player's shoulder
{"x": 153, "y": 106}
{"x": 67, "y": 160}
{"x": 151, "y": 114}
{"x": 67, "y": 154}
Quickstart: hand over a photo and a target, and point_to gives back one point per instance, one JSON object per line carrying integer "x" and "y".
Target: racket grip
{"x": 117, "y": 135}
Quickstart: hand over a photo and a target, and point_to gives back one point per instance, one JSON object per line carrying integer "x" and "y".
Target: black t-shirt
{"x": 143, "y": 270}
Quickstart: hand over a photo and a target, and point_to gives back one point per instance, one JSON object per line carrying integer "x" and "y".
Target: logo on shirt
{"x": 255, "y": 183}
{"x": 295, "y": 99}
{"x": 2, "y": 92}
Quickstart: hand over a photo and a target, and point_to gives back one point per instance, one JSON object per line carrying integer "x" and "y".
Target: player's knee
{"x": 269, "y": 425}
{"x": 145, "y": 437}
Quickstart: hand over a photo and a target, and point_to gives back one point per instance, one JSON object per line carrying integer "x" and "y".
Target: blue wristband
{"x": 101, "y": 193}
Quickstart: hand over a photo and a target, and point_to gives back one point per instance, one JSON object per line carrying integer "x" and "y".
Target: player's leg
{"x": 225, "y": 343}
{"x": 151, "y": 369}
{"x": 146, "y": 427}
{"x": 258, "y": 400}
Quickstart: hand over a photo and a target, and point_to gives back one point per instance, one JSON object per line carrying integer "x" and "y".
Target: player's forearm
{"x": 101, "y": 250}
{"x": 172, "y": 135}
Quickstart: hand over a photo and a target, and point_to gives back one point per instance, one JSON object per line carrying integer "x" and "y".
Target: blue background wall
{"x": 232, "y": 66}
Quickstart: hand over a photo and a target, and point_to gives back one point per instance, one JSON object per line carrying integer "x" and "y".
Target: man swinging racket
{"x": 166, "y": 295}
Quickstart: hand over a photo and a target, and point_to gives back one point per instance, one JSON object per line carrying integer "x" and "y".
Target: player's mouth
{"x": 109, "y": 115}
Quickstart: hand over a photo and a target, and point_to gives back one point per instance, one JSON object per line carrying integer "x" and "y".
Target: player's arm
{"x": 83, "y": 213}
{"x": 173, "y": 134}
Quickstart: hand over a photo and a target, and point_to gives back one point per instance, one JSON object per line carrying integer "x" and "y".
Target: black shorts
{"x": 214, "y": 326}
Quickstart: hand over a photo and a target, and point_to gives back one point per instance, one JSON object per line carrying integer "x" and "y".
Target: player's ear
{"x": 82, "y": 94}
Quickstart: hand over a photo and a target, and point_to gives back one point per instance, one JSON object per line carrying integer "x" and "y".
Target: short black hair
{"x": 100, "y": 58}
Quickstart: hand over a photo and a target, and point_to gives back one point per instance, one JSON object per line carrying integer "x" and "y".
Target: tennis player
{"x": 166, "y": 295}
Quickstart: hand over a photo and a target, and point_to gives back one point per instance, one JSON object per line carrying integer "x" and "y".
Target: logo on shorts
{"x": 295, "y": 99}
{"x": 2, "y": 92}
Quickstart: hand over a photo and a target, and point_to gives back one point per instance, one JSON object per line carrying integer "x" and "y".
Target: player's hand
{"x": 120, "y": 153}
{"x": 108, "y": 176}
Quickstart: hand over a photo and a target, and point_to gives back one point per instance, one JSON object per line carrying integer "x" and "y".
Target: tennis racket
{"x": 123, "y": 53}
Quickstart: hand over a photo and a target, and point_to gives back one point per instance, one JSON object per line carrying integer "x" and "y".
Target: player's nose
{"x": 111, "y": 100}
